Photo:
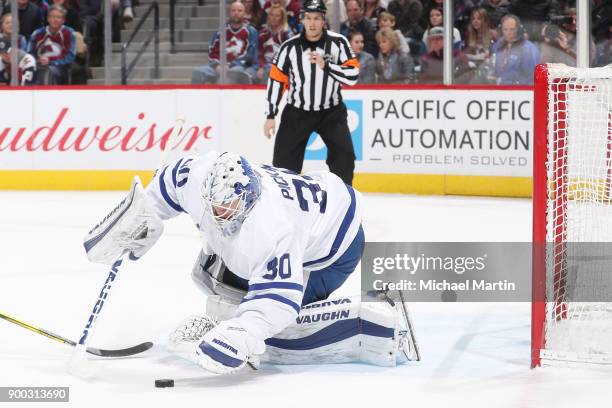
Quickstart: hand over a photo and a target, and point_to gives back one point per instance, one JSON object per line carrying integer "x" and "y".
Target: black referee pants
{"x": 331, "y": 124}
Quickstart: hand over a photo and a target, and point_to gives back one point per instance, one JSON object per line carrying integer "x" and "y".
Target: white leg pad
{"x": 339, "y": 331}
{"x": 330, "y": 331}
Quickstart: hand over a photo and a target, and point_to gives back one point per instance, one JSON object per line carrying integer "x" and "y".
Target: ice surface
{"x": 474, "y": 355}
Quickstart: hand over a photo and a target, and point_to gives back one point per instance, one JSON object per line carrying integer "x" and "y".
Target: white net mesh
{"x": 579, "y": 210}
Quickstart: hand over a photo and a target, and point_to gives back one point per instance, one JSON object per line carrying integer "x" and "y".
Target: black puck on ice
{"x": 164, "y": 383}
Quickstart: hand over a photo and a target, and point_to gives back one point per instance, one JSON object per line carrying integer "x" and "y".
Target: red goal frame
{"x": 552, "y": 95}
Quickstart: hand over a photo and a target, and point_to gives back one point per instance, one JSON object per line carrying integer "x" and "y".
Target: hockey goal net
{"x": 572, "y": 219}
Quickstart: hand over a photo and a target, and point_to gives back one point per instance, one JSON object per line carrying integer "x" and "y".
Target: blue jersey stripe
{"x": 219, "y": 356}
{"x": 174, "y": 170}
{"x": 333, "y": 333}
{"x": 344, "y": 226}
{"x": 275, "y": 297}
{"x": 276, "y": 285}
{"x": 164, "y": 192}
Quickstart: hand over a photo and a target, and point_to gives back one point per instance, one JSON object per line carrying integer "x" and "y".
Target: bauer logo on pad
{"x": 316, "y": 150}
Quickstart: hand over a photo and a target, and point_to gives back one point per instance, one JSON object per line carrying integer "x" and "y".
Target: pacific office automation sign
{"x": 463, "y": 132}
{"x": 102, "y": 129}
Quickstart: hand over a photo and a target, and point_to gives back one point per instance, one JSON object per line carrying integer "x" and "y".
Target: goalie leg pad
{"x": 340, "y": 331}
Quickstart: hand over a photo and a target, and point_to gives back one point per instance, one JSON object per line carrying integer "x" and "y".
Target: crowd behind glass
{"x": 397, "y": 42}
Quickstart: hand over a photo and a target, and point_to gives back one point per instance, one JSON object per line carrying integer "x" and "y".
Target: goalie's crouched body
{"x": 276, "y": 245}
{"x": 325, "y": 331}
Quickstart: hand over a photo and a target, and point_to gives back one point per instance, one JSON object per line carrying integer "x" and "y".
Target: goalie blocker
{"x": 131, "y": 227}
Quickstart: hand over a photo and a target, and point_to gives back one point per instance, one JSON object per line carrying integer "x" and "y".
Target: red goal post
{"x": 572, "y": 205}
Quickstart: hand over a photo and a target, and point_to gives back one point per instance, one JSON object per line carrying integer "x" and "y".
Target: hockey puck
{"x": 164, "y": 383}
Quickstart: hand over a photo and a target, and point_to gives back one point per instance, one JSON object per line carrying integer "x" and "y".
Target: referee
{"x": 311, "y": 66}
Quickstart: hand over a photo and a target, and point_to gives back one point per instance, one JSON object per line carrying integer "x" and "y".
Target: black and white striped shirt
{"x": 310, "y": 87}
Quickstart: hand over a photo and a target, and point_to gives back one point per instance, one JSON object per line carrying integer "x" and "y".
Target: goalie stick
{"x": 80, "y": 347}
{"x": 124, "y": 352}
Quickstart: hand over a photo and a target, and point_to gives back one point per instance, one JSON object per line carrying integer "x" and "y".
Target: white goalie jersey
{"x": 299, "y": 224}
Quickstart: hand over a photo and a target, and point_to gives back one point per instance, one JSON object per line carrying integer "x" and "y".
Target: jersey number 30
{"x": 280, "y": 267}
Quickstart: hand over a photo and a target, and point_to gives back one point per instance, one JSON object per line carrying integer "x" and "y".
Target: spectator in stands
{"x": 479, "y": 36}
{"x": 436, "y": 19}
{"x": 372, "y": 10}
{"x": 357, "y": 22}
{"x": 559, "y": 43}
{"x": 387, "y": 20}
{"x": 533, "y": 14}
{"x": 43, "y": 5}
{"x": 478, "y": 42}
{"x": 6, "y": 28}
{"x": 407, "y": 15}
{"x": 241, "y": 52}
{"x": 293, "y": 7}
{"x": 30, "y": 18}
{"x": 127, "y": 13}
{"x": 253, "y": 13}
{"x": 79, "y": 70}
{"x": 54, "y": 48}
{"x": 427, "y": 6}
{"x": 367, "y": 62}
{"x": 603, "y": 53}
{"x": 515, "y": 56}
{"x": 392, "y": 66}
{"x": 601, "y": 20}
{"x": 26, "y": 69}
{"x": 271, "y": 36}
{"x": 559, "y": 40}
{"x": 73, "y": 20}
{"x": 431, "y": 63}
{"x": 463, "y": 12}
{"x": 92, "y": 21}
{"x": 330, "y": 16}
{"x": 496, "y": 9}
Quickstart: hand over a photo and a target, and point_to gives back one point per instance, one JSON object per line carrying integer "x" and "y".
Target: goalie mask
{"x": 230, "y": 190}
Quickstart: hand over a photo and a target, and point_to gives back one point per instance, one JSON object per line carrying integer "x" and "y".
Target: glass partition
{"x": 601, "y": 32}
{"x": 396, "y": 41}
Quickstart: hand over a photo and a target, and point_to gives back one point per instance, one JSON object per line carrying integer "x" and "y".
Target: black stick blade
{"x": 130, "y": 351}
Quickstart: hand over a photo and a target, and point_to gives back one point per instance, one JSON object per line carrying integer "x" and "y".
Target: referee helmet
{"x": 314, "y": 6}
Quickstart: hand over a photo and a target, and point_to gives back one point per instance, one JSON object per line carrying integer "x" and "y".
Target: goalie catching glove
{"x": 227, "y": 348}
{"x": 132, "y": 227}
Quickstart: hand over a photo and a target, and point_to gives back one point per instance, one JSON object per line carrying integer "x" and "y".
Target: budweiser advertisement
{"x": 408, "y": 133}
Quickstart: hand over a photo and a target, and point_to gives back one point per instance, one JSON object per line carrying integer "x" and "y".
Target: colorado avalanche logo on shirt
{"x": 50, "y": 48}
{"x": 236, "y": 47}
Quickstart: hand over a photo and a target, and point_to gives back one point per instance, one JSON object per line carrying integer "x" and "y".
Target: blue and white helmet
{"x": 230, "y": 190}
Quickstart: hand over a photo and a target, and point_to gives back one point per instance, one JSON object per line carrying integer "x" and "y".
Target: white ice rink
{"x": 474, "y": 355}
